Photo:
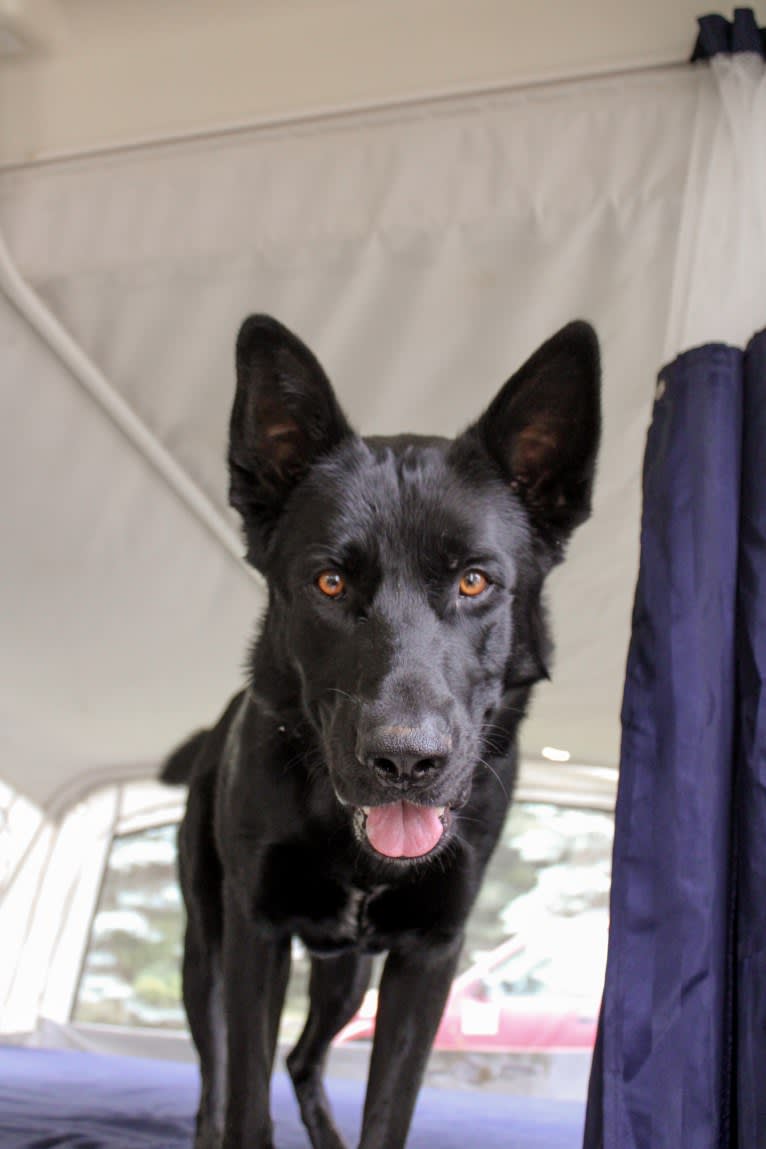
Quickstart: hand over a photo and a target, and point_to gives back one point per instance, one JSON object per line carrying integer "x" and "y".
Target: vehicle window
{"x": 19, "y": 821}
{"x": 132, "y": 969}
{"x": 531, "y": 973}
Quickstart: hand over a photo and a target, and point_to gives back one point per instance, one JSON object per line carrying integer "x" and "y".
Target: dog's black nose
{"x": 404, "y": 754}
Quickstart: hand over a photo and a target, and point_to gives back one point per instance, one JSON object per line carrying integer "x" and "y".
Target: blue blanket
{"x": 68, "y": 1100}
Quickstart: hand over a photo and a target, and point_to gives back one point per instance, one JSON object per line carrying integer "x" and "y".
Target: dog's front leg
{"x": 256, "y": 970}
{"x": 413, "y": 991}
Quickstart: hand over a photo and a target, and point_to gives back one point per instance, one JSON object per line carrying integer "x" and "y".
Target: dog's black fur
{"x": 403, "y": 634}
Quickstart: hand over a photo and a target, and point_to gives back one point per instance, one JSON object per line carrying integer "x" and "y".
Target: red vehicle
{"x": 532, "y": 993}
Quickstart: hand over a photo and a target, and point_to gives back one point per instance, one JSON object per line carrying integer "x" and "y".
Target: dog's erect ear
{"x": 285, "y": 417}
{"x": 543, "y": 429}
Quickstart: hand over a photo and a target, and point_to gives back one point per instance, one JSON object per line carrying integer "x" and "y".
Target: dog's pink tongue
{"x": 402, "y": 830}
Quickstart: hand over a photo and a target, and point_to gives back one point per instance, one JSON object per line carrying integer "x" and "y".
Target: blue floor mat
{"x": 56, "y": 1099}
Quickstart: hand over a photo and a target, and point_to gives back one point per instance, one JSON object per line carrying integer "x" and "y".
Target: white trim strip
{"x": 323, "y": 115}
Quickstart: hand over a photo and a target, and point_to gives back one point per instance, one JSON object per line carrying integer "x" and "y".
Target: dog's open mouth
{"x": 402, "y": 829}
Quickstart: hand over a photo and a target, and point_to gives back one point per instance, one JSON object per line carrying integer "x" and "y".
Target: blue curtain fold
{"x": 660, "y": 1053}
{"x": 750, "y": 968}
{"x": 680, "y": 1058}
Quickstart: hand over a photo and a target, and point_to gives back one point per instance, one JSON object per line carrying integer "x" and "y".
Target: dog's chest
{"x": 349, "y": 927}
{"x": 296, "y": 890}
{"x": 330, "y": 913}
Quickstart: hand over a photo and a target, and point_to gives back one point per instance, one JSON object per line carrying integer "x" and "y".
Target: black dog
{"x": 353, "y": 794}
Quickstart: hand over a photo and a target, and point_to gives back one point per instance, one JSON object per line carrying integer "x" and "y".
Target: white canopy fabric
{"x": 423, "y": 252}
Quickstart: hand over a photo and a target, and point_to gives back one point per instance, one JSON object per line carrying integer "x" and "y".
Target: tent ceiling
{"x": 423, "y": 254}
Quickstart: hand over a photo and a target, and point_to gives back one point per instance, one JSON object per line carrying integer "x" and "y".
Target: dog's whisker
{"x": 494, "y": 773}
{"x": 476, "y": 821}
{"x": 310, "y": 759}
{"x": 357, "y": 701}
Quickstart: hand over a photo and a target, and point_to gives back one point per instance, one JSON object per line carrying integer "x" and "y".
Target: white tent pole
{"x": 425, "y": 100}
{"x": 84, "y": 370}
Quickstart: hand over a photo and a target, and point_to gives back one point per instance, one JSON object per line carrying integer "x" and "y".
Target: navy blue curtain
{"x": 680, "y": 1057}
{"x": 680, "y": 1061}
{"x": 750, "y": 981}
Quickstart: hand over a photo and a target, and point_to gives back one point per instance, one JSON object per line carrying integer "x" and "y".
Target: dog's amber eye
{"x": 473, "y": 583}
{"x": 331, "y": 583}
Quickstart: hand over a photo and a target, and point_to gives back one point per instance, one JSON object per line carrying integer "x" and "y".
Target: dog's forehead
{"x": 404, "y": 493}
